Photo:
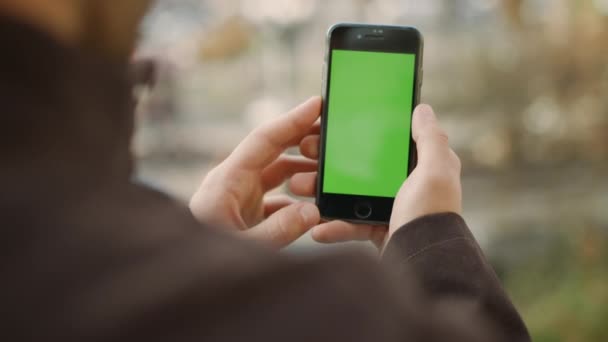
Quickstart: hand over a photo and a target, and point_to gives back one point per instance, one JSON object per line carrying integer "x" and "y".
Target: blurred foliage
{"x": 560, "y": 283}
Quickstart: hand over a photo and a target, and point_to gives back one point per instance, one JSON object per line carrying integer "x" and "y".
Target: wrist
{"x": 405, "y": 221}
{"x": 427, "y": 229}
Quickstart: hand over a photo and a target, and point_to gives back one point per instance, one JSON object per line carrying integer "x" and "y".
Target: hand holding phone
{"x": 237, "y": 194}
{"x": 432, "y": 188}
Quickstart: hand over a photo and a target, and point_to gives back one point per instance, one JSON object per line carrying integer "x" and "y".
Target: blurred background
{"x": 520, "y": 85}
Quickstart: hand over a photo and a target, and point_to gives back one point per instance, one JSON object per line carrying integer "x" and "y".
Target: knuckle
{"x": 435, "y": 136}
{"x": 280, "y": 233}
{"x": 455, "y": 161}
{"x": 442, "y": 136}
{"x": 283, "y": 162}
{"x": 264, "y": 135}
{"x": 439, "y": 179}
{"x": 210, "y": 174}
{"x": 193, "y": 204}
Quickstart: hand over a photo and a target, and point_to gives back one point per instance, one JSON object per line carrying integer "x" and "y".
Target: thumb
{"x": 286, "y": 225}
{"x": 431, "y": 140}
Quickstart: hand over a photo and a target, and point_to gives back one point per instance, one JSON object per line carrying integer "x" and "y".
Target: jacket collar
{"x": 67, "y": 115}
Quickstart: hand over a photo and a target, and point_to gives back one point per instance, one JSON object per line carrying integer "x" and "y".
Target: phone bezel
{"x": 381, "y": 38}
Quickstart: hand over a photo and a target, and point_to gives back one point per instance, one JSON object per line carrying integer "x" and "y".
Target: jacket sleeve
{"x": 441, "y": 254}
{"x": 435, "y": 286}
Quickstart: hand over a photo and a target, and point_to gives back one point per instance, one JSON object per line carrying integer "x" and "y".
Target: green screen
{"x": 368, "y": 122}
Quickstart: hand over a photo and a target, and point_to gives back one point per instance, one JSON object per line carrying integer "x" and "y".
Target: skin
{"x": 235, "y": 195}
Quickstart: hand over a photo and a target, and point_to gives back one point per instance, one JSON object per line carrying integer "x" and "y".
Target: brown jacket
{"x": 89, "y": 255}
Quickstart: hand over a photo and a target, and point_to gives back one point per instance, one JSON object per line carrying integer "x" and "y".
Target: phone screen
{"x": 369, "y": 113}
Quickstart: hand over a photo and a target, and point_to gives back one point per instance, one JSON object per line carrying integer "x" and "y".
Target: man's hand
{"x": 434, "y": 186}
{"x": 234, "y": 194}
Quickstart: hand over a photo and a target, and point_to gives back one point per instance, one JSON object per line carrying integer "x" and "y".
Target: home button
{"x": 363, "y": 210}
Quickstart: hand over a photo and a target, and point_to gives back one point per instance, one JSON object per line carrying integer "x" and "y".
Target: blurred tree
{"x": 560, "y": 283}
{"x": 513, "y": 9}
{"x": 227, "y": 39}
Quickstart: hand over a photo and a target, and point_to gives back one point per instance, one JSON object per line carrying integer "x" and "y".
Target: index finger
{"x": 266, "y": 143}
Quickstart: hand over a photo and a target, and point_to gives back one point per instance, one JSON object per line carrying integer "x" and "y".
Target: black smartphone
{"x": 371, "y": 85}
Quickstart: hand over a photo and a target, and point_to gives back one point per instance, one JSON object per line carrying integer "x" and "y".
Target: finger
{"x": 431, "y": 139}
{"x": 316, "y": 128}
{"x": 455, "y": 160}
{"x": 283, "y": 168}
{"x": 286, "y": 225}
{"x": 303, "y": 184}
{"x": 266, "y": 143}
{"x": 340, "y": 231}
{"x": 273, "y": 204}
{"x": 309, "y": 146}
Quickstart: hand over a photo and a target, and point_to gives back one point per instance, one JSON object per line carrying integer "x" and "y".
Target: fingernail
{"x": 309, "y": 213}
{"x": 425, "y": 111}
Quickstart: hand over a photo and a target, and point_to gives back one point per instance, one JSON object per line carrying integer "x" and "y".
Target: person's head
{"x": 104, "y": 26}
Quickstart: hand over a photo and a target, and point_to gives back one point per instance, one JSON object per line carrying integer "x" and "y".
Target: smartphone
{"x": 371, "y": 84}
